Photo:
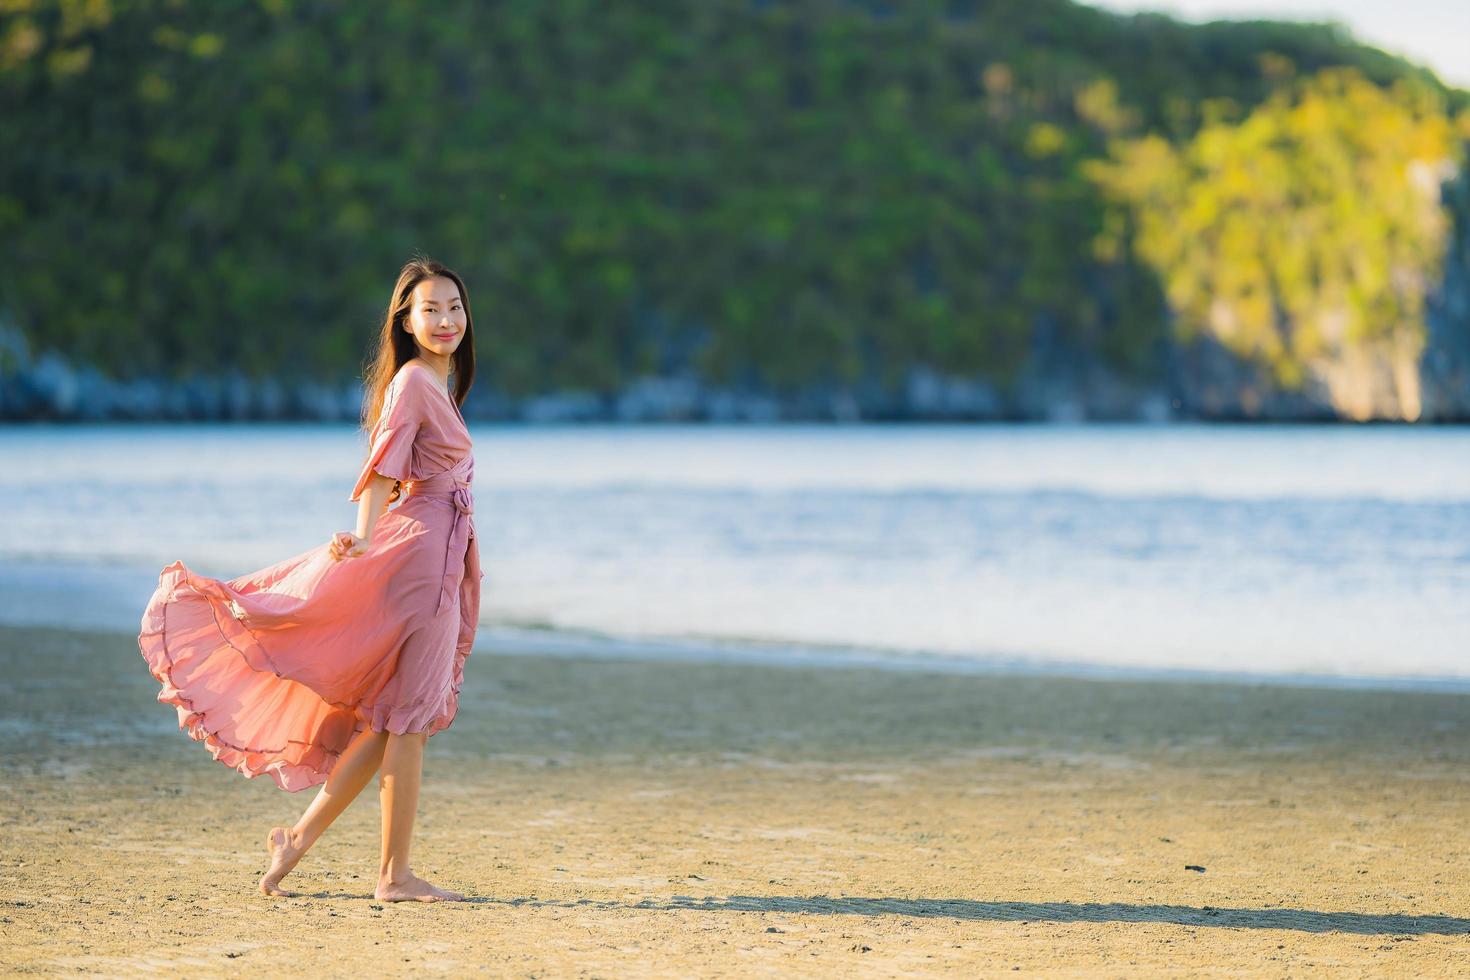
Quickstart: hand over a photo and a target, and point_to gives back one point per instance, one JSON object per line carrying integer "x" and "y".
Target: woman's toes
{"x": 447, "y": 894}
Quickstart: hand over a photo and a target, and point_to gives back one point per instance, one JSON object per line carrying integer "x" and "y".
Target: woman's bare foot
{"x": 414, "y": 889}
{"x": 285, "y": 851}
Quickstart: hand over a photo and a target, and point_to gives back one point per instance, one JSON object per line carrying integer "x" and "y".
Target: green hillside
{"x": 765, "y": 193}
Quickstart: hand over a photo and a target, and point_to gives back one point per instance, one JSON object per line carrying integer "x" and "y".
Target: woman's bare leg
{"x": 403, "y": 765}
{"x": 354, "y": 769}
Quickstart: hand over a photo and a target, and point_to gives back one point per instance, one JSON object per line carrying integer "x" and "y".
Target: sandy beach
{"x": 615, "y": 818}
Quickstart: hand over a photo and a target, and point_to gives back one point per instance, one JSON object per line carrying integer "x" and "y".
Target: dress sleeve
{"x": 390, "y": 449}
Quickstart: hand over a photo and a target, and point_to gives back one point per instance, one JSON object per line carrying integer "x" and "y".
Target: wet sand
{"x": 614, "y": 818}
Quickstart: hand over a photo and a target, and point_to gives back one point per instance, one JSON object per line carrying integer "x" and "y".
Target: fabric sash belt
{"x": 455, "y": 488}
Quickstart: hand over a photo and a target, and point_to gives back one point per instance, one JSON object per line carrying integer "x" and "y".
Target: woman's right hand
{"x": 346, "y": 544}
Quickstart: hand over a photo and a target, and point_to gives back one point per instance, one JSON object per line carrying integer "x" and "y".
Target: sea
{"x": 1333, "y": 555}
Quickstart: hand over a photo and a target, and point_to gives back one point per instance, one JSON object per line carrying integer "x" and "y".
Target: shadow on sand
{"x": 1300, "y": 920}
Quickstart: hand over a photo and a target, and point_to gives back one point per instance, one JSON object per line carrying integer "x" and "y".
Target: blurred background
{"x": 986, "y": 335}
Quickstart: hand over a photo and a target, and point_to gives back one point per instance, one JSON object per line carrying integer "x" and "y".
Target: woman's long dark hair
{"x": 396, "y": 345}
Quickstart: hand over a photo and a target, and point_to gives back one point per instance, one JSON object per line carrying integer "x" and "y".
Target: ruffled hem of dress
{"x": 291, "y": 775}
{"x": 426, "y": 718}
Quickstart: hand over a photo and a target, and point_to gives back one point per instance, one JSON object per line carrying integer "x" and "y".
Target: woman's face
{"x": 436, "y": 317}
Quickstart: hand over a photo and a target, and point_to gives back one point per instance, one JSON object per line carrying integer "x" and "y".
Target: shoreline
{"x": 677, "y": 818}
{"x": 579, "y": 644}
{"x": 37, "y": 593}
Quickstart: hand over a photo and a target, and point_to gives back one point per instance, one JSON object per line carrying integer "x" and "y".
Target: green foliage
{"x": 1305, "y": 231}
{"x": 799, "y": 191}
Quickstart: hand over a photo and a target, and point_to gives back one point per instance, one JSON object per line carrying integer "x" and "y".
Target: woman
{"x": 347, "y": 657}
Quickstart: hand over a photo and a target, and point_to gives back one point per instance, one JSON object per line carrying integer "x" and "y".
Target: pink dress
{"x": 275, "y": 671}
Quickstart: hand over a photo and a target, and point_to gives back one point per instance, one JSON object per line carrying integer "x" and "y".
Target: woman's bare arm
{"x": 371, "y": 503}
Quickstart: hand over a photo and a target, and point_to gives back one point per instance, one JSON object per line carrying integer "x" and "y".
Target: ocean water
{"x": 1320, "y": 554}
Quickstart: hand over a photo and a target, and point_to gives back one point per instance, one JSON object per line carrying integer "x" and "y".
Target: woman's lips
{"x": 443, "y": 336}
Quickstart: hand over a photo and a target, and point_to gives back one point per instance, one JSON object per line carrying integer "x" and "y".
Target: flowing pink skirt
{"x": 277, "y": 670}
